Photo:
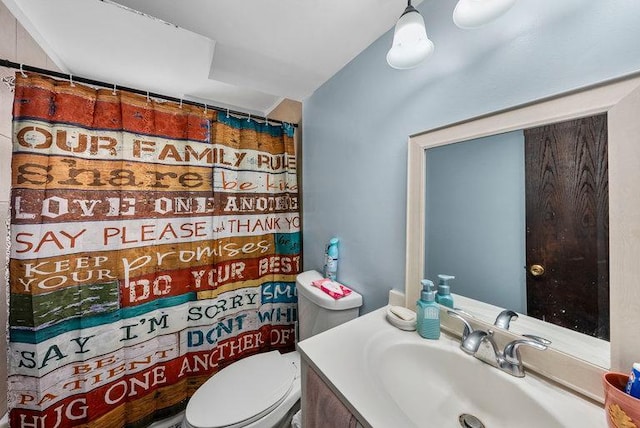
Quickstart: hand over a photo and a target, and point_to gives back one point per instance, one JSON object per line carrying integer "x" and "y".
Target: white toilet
{"x": 222, "y": 402}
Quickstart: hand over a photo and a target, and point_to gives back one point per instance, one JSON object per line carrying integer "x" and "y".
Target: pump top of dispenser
{"x": 427, "y": 294}
{"x": 443, "y": 284}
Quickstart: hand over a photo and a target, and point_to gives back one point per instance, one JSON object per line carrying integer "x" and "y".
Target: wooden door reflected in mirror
{"x": 567, "y": 224}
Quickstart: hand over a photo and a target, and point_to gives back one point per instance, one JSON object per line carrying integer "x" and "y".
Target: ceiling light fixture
{"x": 410, "y": 42}
{"x": 470, "y": 14}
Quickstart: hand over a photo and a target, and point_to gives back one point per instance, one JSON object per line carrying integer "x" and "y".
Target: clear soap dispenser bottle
{"x": 444, "y": 291}
{"x": 428, "y": 312}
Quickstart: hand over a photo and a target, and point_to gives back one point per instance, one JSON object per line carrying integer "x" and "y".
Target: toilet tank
{"x": 317, "y": 311}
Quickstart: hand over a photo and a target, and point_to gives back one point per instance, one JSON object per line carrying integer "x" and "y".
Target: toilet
{"x": 274, "y": 378}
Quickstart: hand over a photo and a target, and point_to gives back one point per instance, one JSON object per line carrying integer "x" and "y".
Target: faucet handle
{"x": 542, "y": 340}
{"x": 511, "y": 352}
{"x": 467, "y": 327}
{"x": 504, "y": 318}
{"x": 462, "y": 312}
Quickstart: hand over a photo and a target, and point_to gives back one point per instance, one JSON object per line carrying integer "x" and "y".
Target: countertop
{"x": 339, "y": 356}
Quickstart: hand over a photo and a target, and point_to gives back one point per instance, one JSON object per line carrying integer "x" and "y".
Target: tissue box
{"x": 332, "y": 288}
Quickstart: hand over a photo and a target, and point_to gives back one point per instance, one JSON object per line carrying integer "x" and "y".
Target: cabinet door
{"x": 321, "y": 408}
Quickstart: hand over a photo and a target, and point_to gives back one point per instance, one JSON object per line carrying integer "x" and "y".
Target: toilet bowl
{"x": 257, "y": 391}
{"x": 263, "y": 390}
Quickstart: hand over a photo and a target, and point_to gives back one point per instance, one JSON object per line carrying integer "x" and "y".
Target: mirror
{"x": 475, "y": 218}
{"x": 521, "y": 220}
{"x": 575, "y": 359}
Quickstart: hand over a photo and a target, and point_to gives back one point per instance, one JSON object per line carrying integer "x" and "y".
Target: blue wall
{"x": 475, "y": 218}
{"x": 355, "y": 126}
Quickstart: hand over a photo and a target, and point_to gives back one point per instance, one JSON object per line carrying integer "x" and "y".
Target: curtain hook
{"x": 266, "y": 120}
{"x": 22, "y": 71}
{"x": 227, "y": 113}
{"x": 114, "y": 90}
{"x": 71, "y": 80}
{"x": 180, "y": 103}
{"x": 148, "y": 99}
{"x": 205, "y": 108}
{"x": 249, "y": 118}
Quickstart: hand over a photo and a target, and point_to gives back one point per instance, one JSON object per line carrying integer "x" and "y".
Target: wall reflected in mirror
{"x": 521, "y": 220}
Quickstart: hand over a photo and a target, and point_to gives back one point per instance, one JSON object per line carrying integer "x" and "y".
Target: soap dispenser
{"x": 428, "y": 312}
{"x": 444, "y": 291}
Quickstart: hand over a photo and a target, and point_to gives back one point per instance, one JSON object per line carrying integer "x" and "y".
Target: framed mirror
{"x": 586, "y": 356}
{"x": 521, "y": 219}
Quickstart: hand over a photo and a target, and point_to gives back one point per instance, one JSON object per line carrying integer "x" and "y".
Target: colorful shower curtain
{"x": 152, "y": 244}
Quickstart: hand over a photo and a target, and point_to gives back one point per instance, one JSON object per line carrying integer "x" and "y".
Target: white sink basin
{"x": 393, "y": 378}
{"x": 443, "y": 382}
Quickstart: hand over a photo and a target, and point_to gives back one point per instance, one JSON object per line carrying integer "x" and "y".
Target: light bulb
{"x": 470, "y": 14}
{"x": 410, "y": 42}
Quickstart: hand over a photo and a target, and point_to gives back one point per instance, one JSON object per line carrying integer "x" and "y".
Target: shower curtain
{"x": 152, "y": 244}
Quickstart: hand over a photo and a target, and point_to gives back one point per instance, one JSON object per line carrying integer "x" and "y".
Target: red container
{"x": 622, "y": 410}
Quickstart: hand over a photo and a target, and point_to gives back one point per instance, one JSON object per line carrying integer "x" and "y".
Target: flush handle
{"x": 536, "y": 270}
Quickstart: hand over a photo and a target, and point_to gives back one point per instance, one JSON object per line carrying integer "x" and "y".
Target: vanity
{"x": 387, "y": 377}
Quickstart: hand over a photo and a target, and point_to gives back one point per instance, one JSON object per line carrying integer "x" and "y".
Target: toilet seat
{"x": 242, "y": 392}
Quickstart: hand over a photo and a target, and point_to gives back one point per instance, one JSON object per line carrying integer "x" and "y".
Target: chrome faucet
{"x": 508, "y": 360}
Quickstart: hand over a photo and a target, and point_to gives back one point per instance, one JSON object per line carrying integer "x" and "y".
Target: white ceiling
{"x": 246, "y": 55}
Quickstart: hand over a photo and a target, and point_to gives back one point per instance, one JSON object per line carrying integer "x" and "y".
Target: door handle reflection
{"x": 536, "y": 270}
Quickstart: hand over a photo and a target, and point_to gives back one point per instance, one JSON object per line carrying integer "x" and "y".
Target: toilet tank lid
{"x": 320, "y": 298}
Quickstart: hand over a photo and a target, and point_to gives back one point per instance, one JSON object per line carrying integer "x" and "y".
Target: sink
{"x": 443, "y": 383}
{"x": 393, "y": 378}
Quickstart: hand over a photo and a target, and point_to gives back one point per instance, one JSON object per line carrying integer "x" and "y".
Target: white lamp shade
{"x": 410, "y": 42}
{"x": 470, "y": 14}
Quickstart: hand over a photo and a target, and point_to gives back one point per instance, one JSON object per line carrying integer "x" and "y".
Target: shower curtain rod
{"x": 24, "y": 67}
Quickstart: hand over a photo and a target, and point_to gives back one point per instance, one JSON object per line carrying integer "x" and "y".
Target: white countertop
{"x": 339, "y": 357}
